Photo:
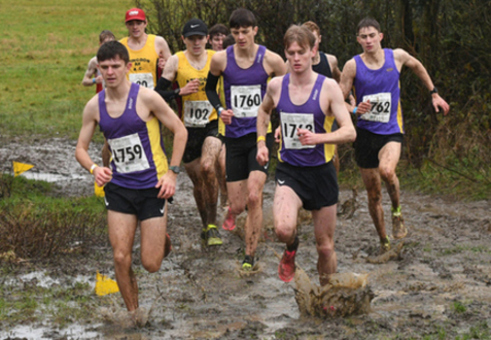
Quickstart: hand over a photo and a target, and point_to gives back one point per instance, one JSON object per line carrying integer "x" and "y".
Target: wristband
{"x": 354, "y": 110}
{"x": 93, "y": 80}
{"x": 435, "y": 90}
{"x": 219, "y": 111}
{"x": 92, "y": 168}
{"x": 261, "y": 138}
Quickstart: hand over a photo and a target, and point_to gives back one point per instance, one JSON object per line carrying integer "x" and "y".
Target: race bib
{"x": 381, "y": 105}
{"x": 197, "y": 113}
{"x": 128, "y": 154}
{"x": 290, "y": 122}
{"x": 143, "y": 79}
{"x": 245, "y": 100}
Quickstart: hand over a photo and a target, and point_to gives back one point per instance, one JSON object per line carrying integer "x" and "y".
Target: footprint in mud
{"x": 345, "y": 294}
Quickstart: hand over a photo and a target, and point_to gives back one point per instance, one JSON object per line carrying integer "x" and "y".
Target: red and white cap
{"x": 135, "y": 14}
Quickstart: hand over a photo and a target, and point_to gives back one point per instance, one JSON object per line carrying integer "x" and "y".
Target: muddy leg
{"x": 324, "y": 227}
{"x": 254, "y": 222}
{"x": 371, "y": 178}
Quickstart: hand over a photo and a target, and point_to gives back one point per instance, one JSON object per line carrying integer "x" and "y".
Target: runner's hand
{"x": 277, "y": 134}
{"x": 226, "y": 116}
{"x": 167, "y": 185}
{"x": 307, "y": 137}
{"x": 438, "y": 101}
{"x": 363, "y": 108}
{"x": 102, "y": 175}
{"x": 191, "y": 87}
{"x": 262, "y": 155}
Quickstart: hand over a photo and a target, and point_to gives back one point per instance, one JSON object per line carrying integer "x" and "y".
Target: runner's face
{"x": 136, "y": 28}
{"x": 217, "y": 42}
{"x": 299, "y": 58}
{"x": 369, "y": 39}
{"x": 114, "y": 71}
{"x": 195, "y": 44}
{"x": 244, "y": 36}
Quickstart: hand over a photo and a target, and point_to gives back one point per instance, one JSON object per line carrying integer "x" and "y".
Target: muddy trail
{"x": 437, "y": 286}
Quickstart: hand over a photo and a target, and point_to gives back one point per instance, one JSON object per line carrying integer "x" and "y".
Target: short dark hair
{"x": 229, "y": 40}
{"x": 106, "y": 34}
{"x": 242, "y": 17}
{"x": 299, "y": 34}
{"x": 111, "y": 49}
{"x": 368, "y": 22}
{"x": 218, "y": 29}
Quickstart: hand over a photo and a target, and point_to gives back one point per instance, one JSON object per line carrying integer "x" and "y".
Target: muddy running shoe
{"x": 286, "y": 268}
{"x": 384, "y": 245}
{"x": 398, "y": 228}
{"x": 168, "y": 245}
{"x": 248, "y": 263}
{"x": 213, "y": 236}
{"x": 229, "y": 222}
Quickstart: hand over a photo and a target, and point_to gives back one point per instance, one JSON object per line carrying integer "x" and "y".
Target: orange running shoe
{"x": 286, "y": 268}
{"x": 229, "y": 222}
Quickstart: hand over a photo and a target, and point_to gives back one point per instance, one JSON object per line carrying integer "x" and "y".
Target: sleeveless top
{"x": 138, "y": 159}
{"x": 144, "y": 63}
{"x": 196, "y": 110}
{"x": 382, "y": 88}
{"x": 307, "y": 116}
{"x": 323, "y": 66}
{"x": 244, "y": 91}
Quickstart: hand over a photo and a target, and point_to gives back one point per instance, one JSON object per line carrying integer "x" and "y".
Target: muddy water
{"x": 200, "y": 293}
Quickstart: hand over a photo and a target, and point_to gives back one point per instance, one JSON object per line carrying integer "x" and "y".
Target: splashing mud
{"x": 434, "y": 284}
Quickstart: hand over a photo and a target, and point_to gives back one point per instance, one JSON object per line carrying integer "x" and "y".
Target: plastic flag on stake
{"x": 104, "y": 285}
{"x": 20, "y": 168}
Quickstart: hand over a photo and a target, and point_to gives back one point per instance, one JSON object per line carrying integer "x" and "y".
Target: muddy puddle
{"x": 443, "y": 263}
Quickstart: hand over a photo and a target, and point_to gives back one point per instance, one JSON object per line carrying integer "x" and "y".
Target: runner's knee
{"x": 325, "y": 251}
{"x": 122, "y": 258}
{"x": 152, "y": 265}
{"x": 387, "y": 173}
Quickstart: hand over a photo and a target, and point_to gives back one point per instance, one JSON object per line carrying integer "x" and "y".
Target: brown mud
{"x": 199, "y": 293}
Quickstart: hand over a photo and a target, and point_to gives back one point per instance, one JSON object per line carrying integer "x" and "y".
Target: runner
{"x": 189, "y": 69}
{"x": 92, "y": 75}
{"x": 148, "y": 52}
{"x": 307, "y": 104}
{"x": 218, "y": 32}
{"x": 374, "y": 75}
{"x": 245, "y": 67}
{"x": 138, "y": 183}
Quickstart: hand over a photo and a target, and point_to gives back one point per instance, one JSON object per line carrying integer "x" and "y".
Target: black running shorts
{"x": 368, "y": 145}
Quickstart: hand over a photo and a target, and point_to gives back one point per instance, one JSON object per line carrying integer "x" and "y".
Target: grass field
{"x": 46, "y": 45}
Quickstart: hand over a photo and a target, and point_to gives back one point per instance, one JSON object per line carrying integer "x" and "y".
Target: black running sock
{"x": 294, "y": 245}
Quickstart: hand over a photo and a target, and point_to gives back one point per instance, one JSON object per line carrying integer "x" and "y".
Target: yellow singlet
{"x": 196, "y": 109}
{"x": 144, "y": 68}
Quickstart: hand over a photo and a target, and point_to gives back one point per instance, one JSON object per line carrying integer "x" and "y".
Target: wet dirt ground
{"x": 439, "y": 287}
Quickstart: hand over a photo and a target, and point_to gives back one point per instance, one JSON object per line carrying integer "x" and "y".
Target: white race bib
{"x": 197, "y": 113}
{"x": 143, "y": 79}
{"x": 128, "y": 154}
{"x": 290, "y": 122}
{"x": 381, "y": 105}
{"x": 245, "y": 100}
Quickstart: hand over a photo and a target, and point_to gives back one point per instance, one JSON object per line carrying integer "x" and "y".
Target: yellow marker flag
{"x": 20, "y": 168}
{"x": 98, "y": 191}
{"x": 104, "y": 285}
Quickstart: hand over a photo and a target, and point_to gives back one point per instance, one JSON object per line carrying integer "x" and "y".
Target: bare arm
{"x": 274, "y": 64}
{"x": 91, "y": 73}
{"x": 162, "y": 49}
{"x": 332, "y": 102}
{"x": 263, "y": 119}
{"x": 89, "y": 122}
{"x": 404, "y": 58}
{"x": 333, "y": 63}
{"x": 217, "y": 66}
{"x": 160, "y": 109}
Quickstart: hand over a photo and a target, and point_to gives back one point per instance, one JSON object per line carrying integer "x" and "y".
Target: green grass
{"x": 44, "y": 53}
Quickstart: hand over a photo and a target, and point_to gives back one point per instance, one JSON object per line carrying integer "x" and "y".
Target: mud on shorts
{"x": 140, "y": 202}
{"x": 240, "y": 158}
{"x": 316, "y": 186}
{"x": 368, "y": 145}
